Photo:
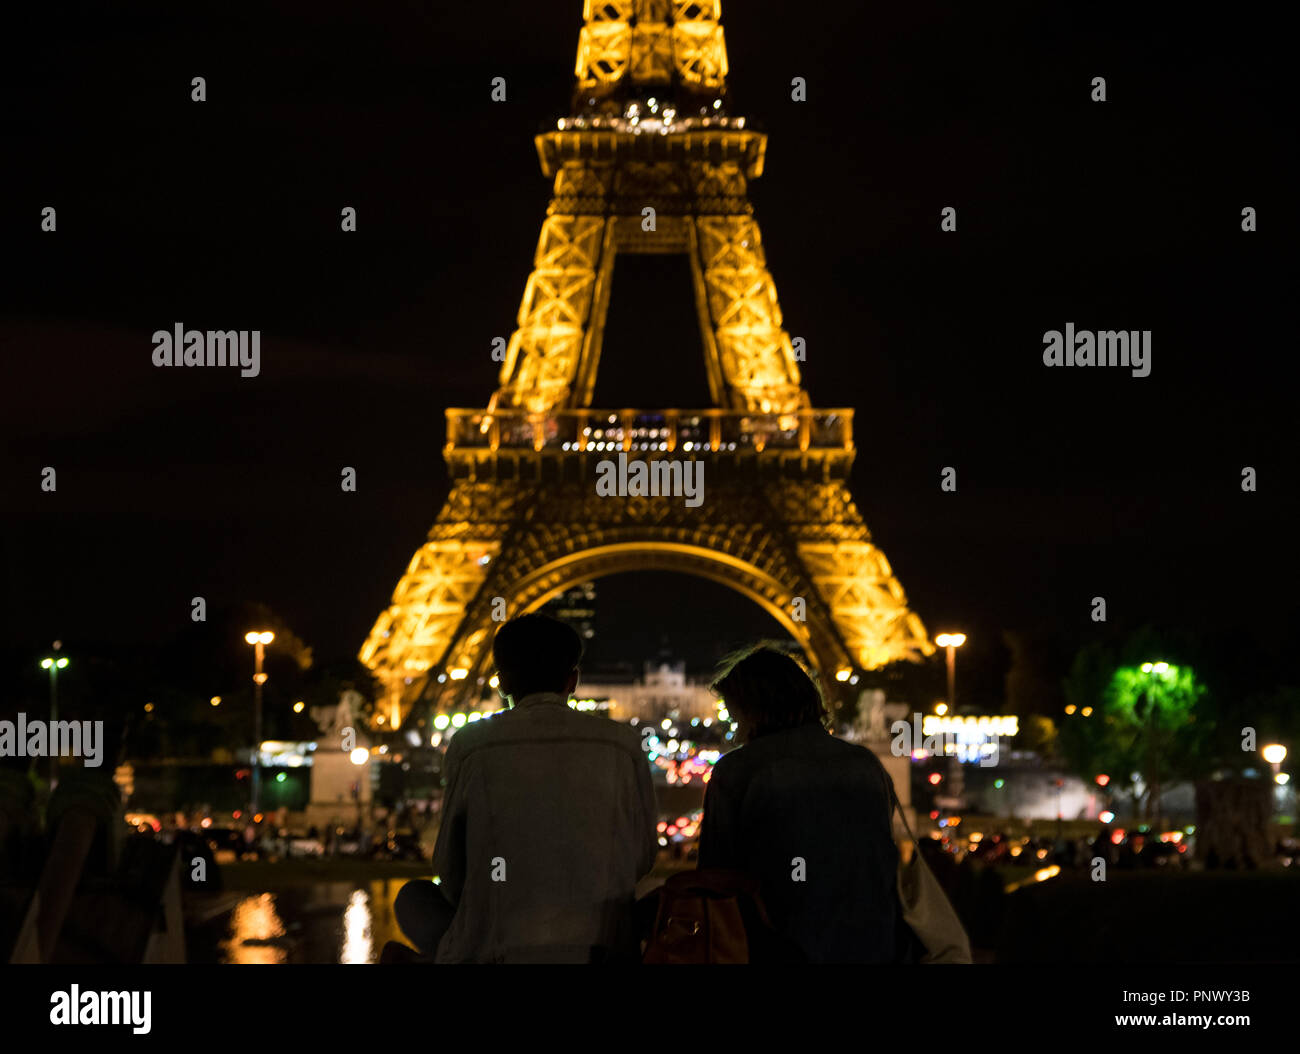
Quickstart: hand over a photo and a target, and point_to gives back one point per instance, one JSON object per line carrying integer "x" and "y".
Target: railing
{"x": 647, "y": 430}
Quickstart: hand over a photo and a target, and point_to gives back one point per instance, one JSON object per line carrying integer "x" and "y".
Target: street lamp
{"x": 951, "y": 641}
{"x": 1275, "y": 754}
{"x": 1155, "y": 672}
{"x": 54, "y": 663}
{"x": 259, "y": 640}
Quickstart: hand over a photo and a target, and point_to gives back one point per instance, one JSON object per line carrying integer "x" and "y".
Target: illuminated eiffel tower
{"x": 649, "y": 162}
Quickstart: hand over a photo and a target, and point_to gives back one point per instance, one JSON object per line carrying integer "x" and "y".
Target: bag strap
{"x": 894, "y": 804}
{"x": 902, "y": 815}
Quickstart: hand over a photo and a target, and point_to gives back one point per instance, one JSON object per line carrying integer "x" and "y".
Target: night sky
{"x": 1072, "y": 483}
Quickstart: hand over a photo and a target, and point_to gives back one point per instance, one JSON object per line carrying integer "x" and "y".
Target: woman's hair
{"x": 770, "y": 689}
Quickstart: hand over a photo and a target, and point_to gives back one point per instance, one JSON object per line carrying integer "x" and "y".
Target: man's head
{"x": 536, "y": 653}
{"x": 766, "y": 689}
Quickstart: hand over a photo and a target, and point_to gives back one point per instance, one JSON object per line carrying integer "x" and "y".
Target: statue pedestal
{"x": 340, "y": 789}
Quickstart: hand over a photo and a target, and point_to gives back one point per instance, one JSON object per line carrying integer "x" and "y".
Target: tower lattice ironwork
{"x": 649, "y": 130}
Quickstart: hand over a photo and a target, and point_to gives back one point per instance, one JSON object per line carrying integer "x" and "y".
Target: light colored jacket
{"x": 548, "y": 821}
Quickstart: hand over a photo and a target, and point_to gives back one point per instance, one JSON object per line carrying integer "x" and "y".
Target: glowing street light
{"x": 951, "y": 641}
{"x": 1275, "y": 754}
{"x": 259, "y": 639}
{"x": 54, "y": 663}
{"x": 1155, "y": 671}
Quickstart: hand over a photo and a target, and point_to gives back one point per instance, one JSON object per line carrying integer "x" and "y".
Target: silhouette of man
{"x": 548, "y": 819}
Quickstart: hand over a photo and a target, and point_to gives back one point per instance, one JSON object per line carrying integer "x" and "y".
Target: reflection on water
{"x": 356, "y": 929}
{"x": 253, "y": 924}
{"x": 330, "y": 922}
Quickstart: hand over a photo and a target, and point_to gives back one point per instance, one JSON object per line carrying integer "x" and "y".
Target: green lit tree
{"x": 1144, "y": 722}
{"x": 1151, "y": 711}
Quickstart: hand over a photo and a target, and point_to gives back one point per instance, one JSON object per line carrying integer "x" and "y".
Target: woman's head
{"x": 766, "y": 689}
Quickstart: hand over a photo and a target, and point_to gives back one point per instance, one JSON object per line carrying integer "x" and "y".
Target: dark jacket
{"x": 809, "y": 816}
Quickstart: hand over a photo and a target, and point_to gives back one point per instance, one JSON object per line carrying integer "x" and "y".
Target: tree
{"x": 1031, "y": 685}
{"x": 1135, "y": 715}
{"x": 1090, "y": 746}
{"x": 1152, "y": 710}
{"x": 1039, "y": 734}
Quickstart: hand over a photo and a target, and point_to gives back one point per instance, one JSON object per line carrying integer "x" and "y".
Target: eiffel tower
{"x": 650, "y": 161}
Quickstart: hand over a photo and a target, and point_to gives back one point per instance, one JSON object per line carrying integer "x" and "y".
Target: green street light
{"x": 1161, "y": 671}
{"x": 54, "y": 663}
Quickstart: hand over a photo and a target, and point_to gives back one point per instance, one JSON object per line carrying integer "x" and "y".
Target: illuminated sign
{"x": 276, "y": 753}
{"x": 973, "y": 740}
{"x": 978, "y": 728}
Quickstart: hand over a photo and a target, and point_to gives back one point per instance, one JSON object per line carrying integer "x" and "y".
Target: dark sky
{"x": 1071, "y": 483}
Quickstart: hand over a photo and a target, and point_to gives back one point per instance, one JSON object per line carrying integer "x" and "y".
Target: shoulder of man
{"x": 502, "y": 726}
{"x": 493, "y": 726}
{"x": 620, "y": 735}
{"x": 468, "y": 737}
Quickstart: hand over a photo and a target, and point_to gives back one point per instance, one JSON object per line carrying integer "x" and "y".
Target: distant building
{"x": 662, "y": 692}
{"x": 577, "y": 607}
